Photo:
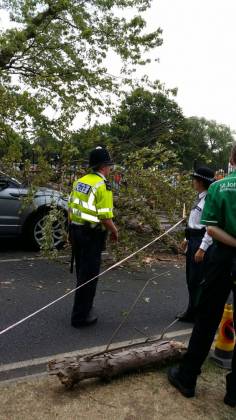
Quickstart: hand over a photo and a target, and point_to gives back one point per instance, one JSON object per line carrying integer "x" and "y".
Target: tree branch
{"x": 7, "y": 54}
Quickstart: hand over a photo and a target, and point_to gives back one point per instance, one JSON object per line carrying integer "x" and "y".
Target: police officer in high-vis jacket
{"x": 220, "y": 279}
{"x": 90, "y": 214}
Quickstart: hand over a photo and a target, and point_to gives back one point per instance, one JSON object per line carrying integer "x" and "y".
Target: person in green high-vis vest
{"x": 90, "y": 218}
{"x": 219, "y": 215}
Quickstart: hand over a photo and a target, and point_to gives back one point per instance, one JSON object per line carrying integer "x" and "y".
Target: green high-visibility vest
{"x": 220, "y": 204}
{"x": 90, "y": 200}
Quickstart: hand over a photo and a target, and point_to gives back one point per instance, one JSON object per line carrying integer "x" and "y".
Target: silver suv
{"x": 17, "y": 219}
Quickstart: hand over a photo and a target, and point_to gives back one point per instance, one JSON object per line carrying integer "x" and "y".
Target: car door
{"x": 10, "y": 224}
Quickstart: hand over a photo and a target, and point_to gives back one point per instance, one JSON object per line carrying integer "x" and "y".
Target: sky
{"x": 198, "y": 55}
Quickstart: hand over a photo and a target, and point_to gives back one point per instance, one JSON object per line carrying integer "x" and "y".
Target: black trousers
{"x": 194, "y": 272}
{"x": 220, "y": 280}
{"x": 87, "y": 244}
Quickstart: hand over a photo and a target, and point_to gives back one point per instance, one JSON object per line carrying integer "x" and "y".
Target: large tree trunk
{"x": 115, "y": 362}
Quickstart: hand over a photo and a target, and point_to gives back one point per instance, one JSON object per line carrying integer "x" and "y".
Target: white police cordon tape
{"x": 89, "y": 281}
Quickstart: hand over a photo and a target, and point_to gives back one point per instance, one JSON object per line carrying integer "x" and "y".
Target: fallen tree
{"x": 106, "y": 365}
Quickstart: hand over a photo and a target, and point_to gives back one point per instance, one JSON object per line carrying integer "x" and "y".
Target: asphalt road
{"x": 28, "y": 282}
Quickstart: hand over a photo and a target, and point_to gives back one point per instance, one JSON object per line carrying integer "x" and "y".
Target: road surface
{"x": 28, "y": 283}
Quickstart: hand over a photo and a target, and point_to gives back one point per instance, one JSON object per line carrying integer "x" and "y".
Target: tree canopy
{"x": 205, "y": 141}
{"x": 53, "y": 65}
{"x": 53, "y": 60}
{"x": 146, "y": 119}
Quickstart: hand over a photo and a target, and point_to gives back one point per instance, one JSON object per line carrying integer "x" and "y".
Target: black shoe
{"x": 85, "y": 322}
{"x": 230, "y": 396}
{"x": 186, "y": 317}
{"x": 230, "y": 400}
{"x": 175, "y": 380}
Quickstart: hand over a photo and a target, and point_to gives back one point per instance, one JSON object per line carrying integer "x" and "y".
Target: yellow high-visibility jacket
{"x": 91, "y": 200}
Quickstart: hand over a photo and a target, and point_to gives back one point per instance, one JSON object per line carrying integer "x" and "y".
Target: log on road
{"x": 72, "y": 370}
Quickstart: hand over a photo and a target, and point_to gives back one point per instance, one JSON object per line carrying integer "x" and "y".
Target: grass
{"x": 141, "y": 396}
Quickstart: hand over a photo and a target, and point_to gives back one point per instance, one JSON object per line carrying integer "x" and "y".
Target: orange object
{"x": 220, "y": 174}
{"x": 225, "y": 342}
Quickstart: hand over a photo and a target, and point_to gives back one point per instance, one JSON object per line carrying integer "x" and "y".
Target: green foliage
{"x": 151, "y": 193}
{"x": 54, "y": 58}
{"x": 87, "y": 139}
{"x": 144, "y": 118}
{"x": 55, "y": 216}
{"x": 53, "y": 66}
{"x": 205, "y": 142}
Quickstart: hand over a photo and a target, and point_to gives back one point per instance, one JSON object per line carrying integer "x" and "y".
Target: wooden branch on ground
{"x": 72, "y": 370}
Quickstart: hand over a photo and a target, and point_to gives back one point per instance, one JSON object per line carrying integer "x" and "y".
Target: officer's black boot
{"x": 186, "y": 384}
{"x": 187, "y": 316}
{"x": 230, "y": 396}
{"x": 85, "y": 321}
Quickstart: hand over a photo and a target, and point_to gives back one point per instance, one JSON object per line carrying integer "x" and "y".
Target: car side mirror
{"x": 3, "y": 184}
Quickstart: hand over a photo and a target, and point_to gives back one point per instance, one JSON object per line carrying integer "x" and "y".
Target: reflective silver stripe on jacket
{"x": 107, "y": 210}
{"x": 85, "y": 216}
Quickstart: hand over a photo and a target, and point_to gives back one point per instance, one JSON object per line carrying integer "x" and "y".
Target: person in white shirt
{"x": 197, "y": 242}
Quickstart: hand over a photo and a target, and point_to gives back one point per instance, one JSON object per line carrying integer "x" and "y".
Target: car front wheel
{"x": 34, "y": 231}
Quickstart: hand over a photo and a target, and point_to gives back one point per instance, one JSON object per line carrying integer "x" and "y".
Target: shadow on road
{"x": 13, "y": 245}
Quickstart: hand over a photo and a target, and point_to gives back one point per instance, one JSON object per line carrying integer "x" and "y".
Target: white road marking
{"x": 31, "y": 259}
{"x": 98, "y": 349}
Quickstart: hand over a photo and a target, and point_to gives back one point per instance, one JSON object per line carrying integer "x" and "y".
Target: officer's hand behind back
{"x": 199, "y": 256}
{"x": 114, "y": 235}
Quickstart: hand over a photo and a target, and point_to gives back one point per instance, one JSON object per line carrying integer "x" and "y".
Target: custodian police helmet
{"x": 205, "y": 174}
{"x": 99, "y": 156}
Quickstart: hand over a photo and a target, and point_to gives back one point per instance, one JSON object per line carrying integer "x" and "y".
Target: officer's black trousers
{"x": 87, "y": 246}
{"x": 220, "y": 280}
{"x": 194, "y": 272}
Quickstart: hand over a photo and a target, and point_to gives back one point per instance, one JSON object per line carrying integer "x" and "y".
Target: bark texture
{"x": 71, "y": 371}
